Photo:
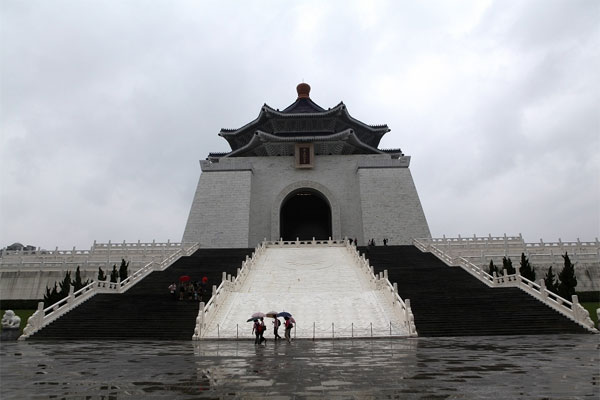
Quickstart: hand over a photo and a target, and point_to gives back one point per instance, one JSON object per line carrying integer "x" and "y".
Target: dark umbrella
{"x": 284, "y": 314}
{"x": 253, "y": 319}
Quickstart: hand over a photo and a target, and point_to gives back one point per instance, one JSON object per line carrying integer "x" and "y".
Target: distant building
{"x": 305, "y": 172}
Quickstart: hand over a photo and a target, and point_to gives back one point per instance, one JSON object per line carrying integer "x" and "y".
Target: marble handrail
{"x": 571, "y": 309}
{"x": 44, "y": 316}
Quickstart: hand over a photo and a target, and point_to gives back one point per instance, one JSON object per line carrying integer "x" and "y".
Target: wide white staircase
{"x": 327, "y": 287}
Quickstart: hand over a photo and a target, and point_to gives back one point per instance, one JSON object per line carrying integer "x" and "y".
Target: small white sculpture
{"x": 10, "y": 320}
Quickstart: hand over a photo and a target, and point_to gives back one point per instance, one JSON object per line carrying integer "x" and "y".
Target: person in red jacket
{"x": 288, "y": 329}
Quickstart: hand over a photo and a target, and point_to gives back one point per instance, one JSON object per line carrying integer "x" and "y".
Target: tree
{"x": 114, "y": 275}
{"x": 493, "y": 268}
{"x": 65, "y": 285}
{"x": 101, "y": 275}
{"x": 123, "y": 270}
{"x": 77, "y": 282}
{"x": 507, "y": 265}
{"x": 51, "y": 296}
{"x": 526, "y": 270}
{"x": 568, "y": 281}
{"x": 550, "y": 281}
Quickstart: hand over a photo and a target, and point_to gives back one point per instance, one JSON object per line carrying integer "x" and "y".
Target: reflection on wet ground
{"x": 555, "y": 367}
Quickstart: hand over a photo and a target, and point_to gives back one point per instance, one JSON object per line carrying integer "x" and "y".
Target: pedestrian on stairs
{"x": 173, "y": 290}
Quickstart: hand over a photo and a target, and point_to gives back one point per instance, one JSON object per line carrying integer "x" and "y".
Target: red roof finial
{"x": 303, "y": 90}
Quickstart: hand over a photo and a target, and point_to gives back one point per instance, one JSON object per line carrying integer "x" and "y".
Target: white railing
{"x": 313, "y": 242}
{"x": 98, "y": 254}
{"x": 207, "y": 311}
{"x": 44, "y": 316}
{"x": 400, "y": 307}
{"x": 571, "y": 309}
{"x": 321, "y": 331}
{"x": 381, "y": 282}
{"x": 494, "y": 248}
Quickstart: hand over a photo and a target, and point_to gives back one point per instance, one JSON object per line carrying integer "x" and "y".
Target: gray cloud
{"x": 107, "y": 107}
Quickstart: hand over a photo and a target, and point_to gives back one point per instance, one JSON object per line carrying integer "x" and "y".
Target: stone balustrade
{"x": 44, "y": 316}
{"x": 98, "y": 252}
{"x": 571, "y": 309}
{"x": 228, "y": 283}
{"x": 491, "y": 247}
{"x": 25, "y": 275}
{"x": 380, "y": 282}
{"x": 481, "y": 250}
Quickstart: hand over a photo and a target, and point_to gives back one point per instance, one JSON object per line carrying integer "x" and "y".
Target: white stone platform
{"x": 318, "y": 285}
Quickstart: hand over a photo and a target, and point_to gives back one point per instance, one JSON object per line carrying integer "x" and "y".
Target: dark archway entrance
{"x": 305, "y": 214}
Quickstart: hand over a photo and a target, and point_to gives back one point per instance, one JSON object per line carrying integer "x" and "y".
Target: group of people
{"x": 259, "y": 328}
{"x": 372, "y": 242}
{"x": 191, "y": 291}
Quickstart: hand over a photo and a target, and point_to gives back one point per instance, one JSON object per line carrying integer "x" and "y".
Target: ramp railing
{"x": 314, "y": 330}
{"x": 571, "y": 309}
{"x": 44, "y": 316}
{"x": 400, "y": 307}
{"x": 229, "y": 283}
{"x": 381, "y": 282}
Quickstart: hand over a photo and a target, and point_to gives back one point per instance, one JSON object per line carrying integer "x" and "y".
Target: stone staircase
{"x": 448, "y": 301}
{"x": 322, "y": 286}
{"x": 146, "y": 311}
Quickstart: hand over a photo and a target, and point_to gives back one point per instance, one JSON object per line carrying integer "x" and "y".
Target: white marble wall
{"x": 390, "y": 206}
{"x": 220, "y": 212}
{"x": 237, "y": 201}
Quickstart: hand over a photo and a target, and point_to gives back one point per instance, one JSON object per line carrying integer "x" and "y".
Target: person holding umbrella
{"x": 182, "y": 281}
{"x": 258, "y": 328}
{"x": 288, "y": 329}
{"x": 288, "y": 324}
{"x": 276, "y": 323}
{"x": 263, "y": 328}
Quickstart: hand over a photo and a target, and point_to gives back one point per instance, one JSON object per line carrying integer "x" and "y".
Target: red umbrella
{"x": 184, "y": 278}
{"x": 204, "y": 279}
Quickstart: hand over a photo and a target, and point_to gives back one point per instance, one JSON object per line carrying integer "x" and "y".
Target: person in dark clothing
{"x": 288, "y": 329}
{"x": 263, "y": 328}
{"x": 276, "y": 324}
{"x": 256, "y": 330}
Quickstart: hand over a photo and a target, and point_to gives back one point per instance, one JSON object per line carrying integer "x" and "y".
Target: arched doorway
{"x": 305, "y": 214}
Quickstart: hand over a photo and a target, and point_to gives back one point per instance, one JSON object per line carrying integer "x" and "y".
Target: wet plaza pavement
{"x": 527, "y": 367}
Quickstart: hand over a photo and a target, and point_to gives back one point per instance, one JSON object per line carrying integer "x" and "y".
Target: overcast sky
{"x": 106, "y": 107}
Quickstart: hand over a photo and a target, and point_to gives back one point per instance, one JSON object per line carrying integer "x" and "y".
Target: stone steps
{"x": 318, "y": 285}
{"x": 448, "y": 301}
{"x": 147, "y": 310}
